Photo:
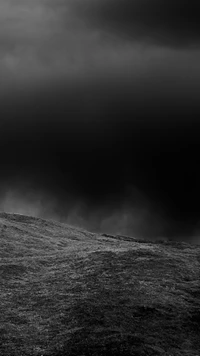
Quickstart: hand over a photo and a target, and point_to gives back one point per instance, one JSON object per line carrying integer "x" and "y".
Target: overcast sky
{"x": 100, "y": 113}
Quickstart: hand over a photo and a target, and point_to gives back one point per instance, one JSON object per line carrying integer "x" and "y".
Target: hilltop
{"x": 67, "y": 291}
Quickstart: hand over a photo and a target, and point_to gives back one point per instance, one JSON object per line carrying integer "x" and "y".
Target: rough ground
{"x": 65, "y": 291}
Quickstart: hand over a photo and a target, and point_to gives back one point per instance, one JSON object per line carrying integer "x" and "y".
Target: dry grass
{"x": 65, "y": 291}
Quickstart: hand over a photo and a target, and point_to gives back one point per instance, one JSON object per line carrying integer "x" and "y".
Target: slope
{"x": 66, "y": 291}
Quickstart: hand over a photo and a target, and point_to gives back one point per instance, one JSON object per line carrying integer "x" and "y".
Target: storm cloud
{"x": 99, "y": 109}
{"x": 161, "y": 22}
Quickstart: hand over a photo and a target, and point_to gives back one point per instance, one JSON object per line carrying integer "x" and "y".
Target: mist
{"x": 140, "y": 220}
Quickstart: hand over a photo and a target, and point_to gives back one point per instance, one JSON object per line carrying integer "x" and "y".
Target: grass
{"x": 65, "y": 291}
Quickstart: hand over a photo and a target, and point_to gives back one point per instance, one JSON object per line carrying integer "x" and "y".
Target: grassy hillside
{"x": 65, "y": 291}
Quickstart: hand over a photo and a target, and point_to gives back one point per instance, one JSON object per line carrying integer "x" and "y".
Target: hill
{"x": 66, "y": 291}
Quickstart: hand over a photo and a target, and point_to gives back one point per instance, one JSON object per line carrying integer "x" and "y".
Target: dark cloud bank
{"x": 172, "y": 23}
{"x": 111, "y": 147}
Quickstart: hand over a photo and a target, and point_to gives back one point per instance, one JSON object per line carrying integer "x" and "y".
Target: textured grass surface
{"x": 65, "y": 291}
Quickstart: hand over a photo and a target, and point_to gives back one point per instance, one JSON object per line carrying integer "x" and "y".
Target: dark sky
{"x": 100, "y": 114}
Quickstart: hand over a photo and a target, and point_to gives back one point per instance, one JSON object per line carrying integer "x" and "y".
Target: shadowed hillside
{"x": 66, "y": 291}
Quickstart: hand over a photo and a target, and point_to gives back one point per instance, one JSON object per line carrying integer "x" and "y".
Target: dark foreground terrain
{"x": 65, "y": 291}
